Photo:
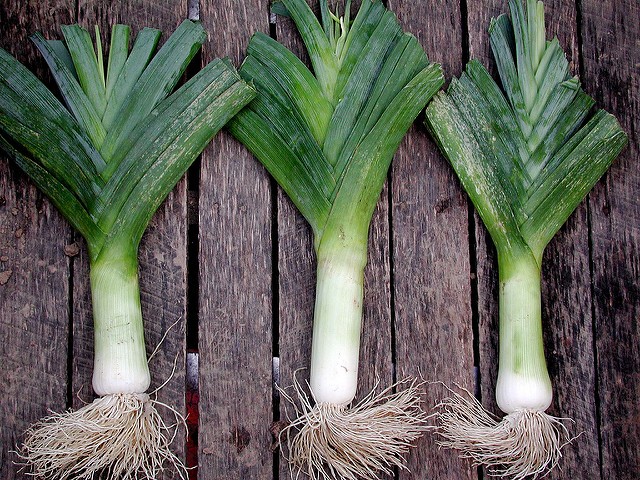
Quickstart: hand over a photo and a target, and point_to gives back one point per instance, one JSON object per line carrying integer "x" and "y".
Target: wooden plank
{"x": 611, "y": 57}
{"x": 566, "y": 296}
{"x": 162, "y": 254}
{"x": 296, "y": 268}
{"x": 431, "y": 278}
{"x": 235, "y": 343}
{"x": 34, "y": 271}
{"x": 430, "y": 258}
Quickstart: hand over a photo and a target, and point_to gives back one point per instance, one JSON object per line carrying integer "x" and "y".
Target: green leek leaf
{"x": 294, "y": 83}
{"x": 318, "y": 45}
{"x": 328, "y": 137}
{"x": 75, "y": 97}
{"x": 45, "y": 128}
{"x": 118, "y": 53}
{"x": 138, "y": 59}
{"x": 60, "y": 195}
{"x": 156, "y": 81}
{"x": 525, "y": 157}
{"x": 60, "y": 51}
{"x": 86, "y": 63}
{"x": 108, "y": 174}
{"x": 173, "y": 134}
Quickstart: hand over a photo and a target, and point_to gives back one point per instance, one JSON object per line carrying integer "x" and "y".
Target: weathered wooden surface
{"x": 431, "y": 293}
{"x": 433, "y": 318}
{"x": 35, "y": 273}
{"x": 235, "y": 321}
{"x": 611, "y": 62}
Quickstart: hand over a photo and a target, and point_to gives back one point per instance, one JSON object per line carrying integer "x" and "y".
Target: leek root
{"x": 376, "y": 432}
{"x": 127, "y": 430}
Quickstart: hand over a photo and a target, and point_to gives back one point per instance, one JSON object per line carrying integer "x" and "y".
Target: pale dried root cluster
{"x": 523, "y": 444}
{"x": 335, "y": 442}
{"x": 117, "y": 436}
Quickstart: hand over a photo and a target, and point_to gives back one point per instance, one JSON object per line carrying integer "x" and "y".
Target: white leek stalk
{"x": 523, "y": 380}
{"x": 337, "y": 321}
{"x": 120, "y": 359}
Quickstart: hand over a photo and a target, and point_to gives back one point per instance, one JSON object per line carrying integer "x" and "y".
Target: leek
{"x": 107, "y": 160}
{"x": 328, "y": 140}
{"x": 526, "y": 154}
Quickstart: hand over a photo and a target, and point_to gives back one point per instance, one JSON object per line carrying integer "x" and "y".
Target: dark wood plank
{"x": 611, "y": 57}
{"x": 296, "y": 271}
{"x": 34, "y": 270}
{"x": 165, "y": 15}
{"x": 162, "y": 254}
{"x": 431, "y": 277}
{"x": 567, "y": 324}
{"x": 566, "y": 296}
{"x": 235, "y": 330}
{"x": 377, "y": 365}
{"x": 297, "y": 275}
{"x": 566, "y": 302}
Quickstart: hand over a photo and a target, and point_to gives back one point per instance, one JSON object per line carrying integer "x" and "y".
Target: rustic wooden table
{"x": 230, "y": 260}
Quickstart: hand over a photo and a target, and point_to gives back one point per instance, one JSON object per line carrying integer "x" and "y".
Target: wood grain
{"x": 478, "y": 18}
{"x": 566, "y": 296}
{"x": 566, "y": 300}
{"x": 611, "y": 58}
{"x": 296, "y": 274}
{"x": 431, "y": 276}
{"x": 34, "y": 270}
{"x": 235, "y": 326}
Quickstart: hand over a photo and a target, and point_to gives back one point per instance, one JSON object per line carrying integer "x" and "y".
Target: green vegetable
{"x": 107, "y": 160}
{"x": 527, "y": 153}
{"x": 328, "y": 139}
